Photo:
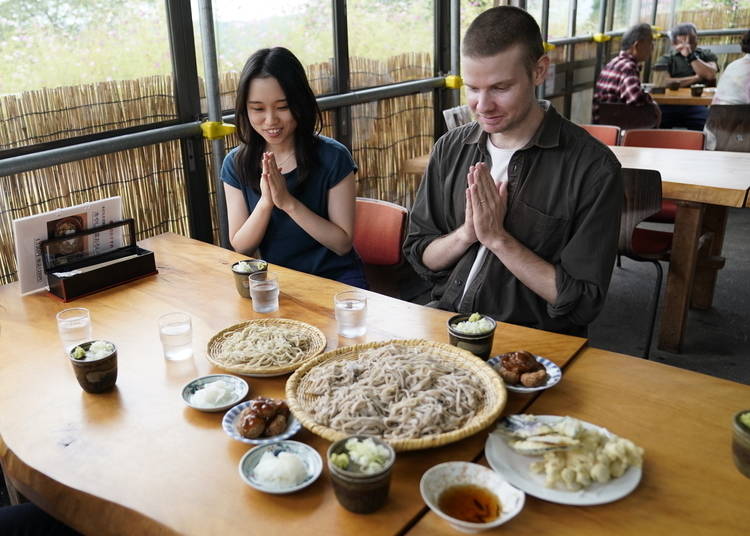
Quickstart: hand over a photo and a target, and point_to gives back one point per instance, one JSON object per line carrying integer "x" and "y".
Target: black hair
{"x": 685, "y": 28}
{"x": 284, "y": 66}
{"x": 499, "y": 28}
{"x": 639, "y": 32}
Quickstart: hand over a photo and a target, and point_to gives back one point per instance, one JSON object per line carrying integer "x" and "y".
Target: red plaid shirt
{"x": 620, "y": 81}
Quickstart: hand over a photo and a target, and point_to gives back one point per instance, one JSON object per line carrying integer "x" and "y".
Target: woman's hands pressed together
{"x": 273, "y": 185}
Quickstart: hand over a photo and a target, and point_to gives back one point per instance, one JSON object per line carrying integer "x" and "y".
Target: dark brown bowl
{"x": 240, "y": 278}
{"x": 98, "y": 375}
{"x": 696, "y": 90}
{"x": 480, "y": 345}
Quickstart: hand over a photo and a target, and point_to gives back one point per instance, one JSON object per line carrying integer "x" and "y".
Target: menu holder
{"x": 73, "y": 273}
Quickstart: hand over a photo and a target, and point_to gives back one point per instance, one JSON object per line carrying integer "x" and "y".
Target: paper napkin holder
{"x": 72, "y": 271}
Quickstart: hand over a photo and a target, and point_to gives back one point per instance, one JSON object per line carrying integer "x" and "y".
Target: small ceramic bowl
{"x": 193, "y": 386}
{"x": 439, "y": 478}
{"x": 359, "y": 492}
{"x": 741, "y": 441}
{"x": 229, "y": 424}
{"x": 480, "y": 344}
{"x": 309, "y": 456}
{"x": 241, "y": 276}
{"x": 95, "y": 375}
{"x": 696, "y": 90}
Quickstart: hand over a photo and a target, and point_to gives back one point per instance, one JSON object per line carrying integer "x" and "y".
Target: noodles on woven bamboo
{"x": 394, "y": 391}
{"x": 257, "y": 346}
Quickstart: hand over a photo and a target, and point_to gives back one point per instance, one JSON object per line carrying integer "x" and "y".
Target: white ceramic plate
{"x": 309, "y": 456}
{"x": 515, "y": 468}
{"x": 229, "y": 423}
{"x": 241, "y": 389}
{"x": 554, "y": 374}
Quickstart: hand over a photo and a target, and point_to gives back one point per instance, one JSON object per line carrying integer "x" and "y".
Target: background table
{"x": 683, "y": 97}
{"x": 682, "y": 419}
{"x": 137, "y": 459}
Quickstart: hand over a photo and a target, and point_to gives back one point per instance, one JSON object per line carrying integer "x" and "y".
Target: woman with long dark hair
{"x": 290, "y": 190}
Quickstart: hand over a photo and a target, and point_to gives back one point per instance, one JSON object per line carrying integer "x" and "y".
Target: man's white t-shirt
{"x": 499, "y": 170}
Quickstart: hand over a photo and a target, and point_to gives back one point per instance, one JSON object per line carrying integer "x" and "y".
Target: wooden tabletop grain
{"x": 683, "y": 97}
{"x": 138, "y": 458}
{"x": 682, "y": 419}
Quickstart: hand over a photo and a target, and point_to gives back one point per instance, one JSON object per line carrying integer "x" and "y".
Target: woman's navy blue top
{"x": 286, "y": 243}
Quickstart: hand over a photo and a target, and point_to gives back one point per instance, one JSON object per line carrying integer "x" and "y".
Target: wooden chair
{"x": 643, "y": 199}
{"x": 379, "y": 231}
{"x": 607, "y": 134}
{"x": 627, "y": 116}
{"x": 665, "y": 139}
{"x": 728, "y": 127}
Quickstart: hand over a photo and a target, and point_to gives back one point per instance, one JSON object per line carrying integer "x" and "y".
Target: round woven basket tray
{"x": 495, "y": 394}
{"x": 317, "y": 345}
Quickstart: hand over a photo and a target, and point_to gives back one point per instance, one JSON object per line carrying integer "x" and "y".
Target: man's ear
{"x": 540, "y": 70}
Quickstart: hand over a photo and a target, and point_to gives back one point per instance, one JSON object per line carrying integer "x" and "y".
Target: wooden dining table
{"x": 704, "y": 184}
{"x": 682, "y": 419}
{"x": 137, "y": 460}
{"x": 684, "y": 97}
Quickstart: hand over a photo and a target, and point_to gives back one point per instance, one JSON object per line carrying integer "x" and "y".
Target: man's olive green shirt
{"x": 565, "y": 194}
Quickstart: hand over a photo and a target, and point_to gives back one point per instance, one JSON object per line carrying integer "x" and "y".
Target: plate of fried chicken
{"x": 524, "y": 372}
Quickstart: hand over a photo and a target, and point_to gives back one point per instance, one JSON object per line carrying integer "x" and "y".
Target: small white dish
{"x": 309, "y": 456}
{"x": 229, "y": 424}
{"x": 445, "y": 475}
{"x": 241, "y": 388}
{"x": 554, "y": 374}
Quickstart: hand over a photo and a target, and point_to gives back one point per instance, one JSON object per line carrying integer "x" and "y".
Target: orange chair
{"x": 379, "y": 232}
{"x": 665, "y": 139}
{"x": 607, "y": 134}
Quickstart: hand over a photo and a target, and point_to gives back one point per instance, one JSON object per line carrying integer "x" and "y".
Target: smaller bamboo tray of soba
{"x": 493, "y": 401}
{"x": 214, "y": 351}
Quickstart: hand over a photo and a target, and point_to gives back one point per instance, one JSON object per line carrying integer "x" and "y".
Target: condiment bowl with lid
{"x": 234, "y": 389}
{"x": 477, "y": 342}
{"x": 447, "y": 486}
{"x": 360, "y": 468}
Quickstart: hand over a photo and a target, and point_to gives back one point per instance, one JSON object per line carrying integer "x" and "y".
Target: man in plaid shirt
{"x": 620, "y": 79}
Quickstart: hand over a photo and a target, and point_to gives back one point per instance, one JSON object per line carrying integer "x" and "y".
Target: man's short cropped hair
{"x": 498, "y": 29}
{"x": 745, "y": 43}
{"x": 639, "y": 32}
{"x": 685, "y": 28}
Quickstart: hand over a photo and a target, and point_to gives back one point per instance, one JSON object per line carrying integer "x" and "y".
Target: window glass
{"x": 303, "y": 26}
{"x": 71, "y": 68}
{"x": 389, "y": 41}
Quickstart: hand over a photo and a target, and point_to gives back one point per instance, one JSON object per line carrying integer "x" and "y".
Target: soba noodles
{"x": 256, "y": 346}
{"x": 394, "y": 392}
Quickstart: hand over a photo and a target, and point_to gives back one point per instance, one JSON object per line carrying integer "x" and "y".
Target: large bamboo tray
{"x": 214, "y": 349}
{"x": 494, "y": 400}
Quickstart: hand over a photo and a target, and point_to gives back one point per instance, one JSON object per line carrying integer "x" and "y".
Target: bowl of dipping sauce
{"x": 242, "y": 270}
{"x": 360, "y": 468}
{"x": 469, "y": 496}
{"x": 474, "y": 332}
{"x": 741, "y": 441}
{"x": 95, "y": 365}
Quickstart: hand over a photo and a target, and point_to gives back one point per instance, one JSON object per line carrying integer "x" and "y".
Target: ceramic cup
{"x": 480, "y": 345}
{"x": 696, "y": 90}
{"x": 741, "y": 442}
{"x": 95, "y": 375}
{"x": 241, "y": 274}
{"x": 356, "y": 491}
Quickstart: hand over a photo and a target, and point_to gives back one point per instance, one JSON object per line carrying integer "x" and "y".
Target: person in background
{"x": 687, "y": 64}
{"x": 733, "y": 86}
{"x": 517, "y": 215}
{"x": 290, "y": 191}
{"x": 620, "y": 80}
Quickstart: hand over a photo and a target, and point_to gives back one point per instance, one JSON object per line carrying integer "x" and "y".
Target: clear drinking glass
{"x": 74, "y": 326}
{"x": 176, "y": 333}
{"x": 264, "y": 291}
{"x": 350, "y": 307}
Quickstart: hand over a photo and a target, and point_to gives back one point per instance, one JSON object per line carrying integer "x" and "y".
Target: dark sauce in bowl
{"x": 471, "y": 503}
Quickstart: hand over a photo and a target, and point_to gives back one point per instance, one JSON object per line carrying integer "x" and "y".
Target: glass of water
{"x": 176, "y": 333}
{"x": 74, "y": 326}
{"x": 264, "y": 291}
{"x": 351, "y": 311}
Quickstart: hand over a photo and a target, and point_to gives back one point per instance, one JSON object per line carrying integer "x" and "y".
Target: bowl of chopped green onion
{"x": 474, "y": 332}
